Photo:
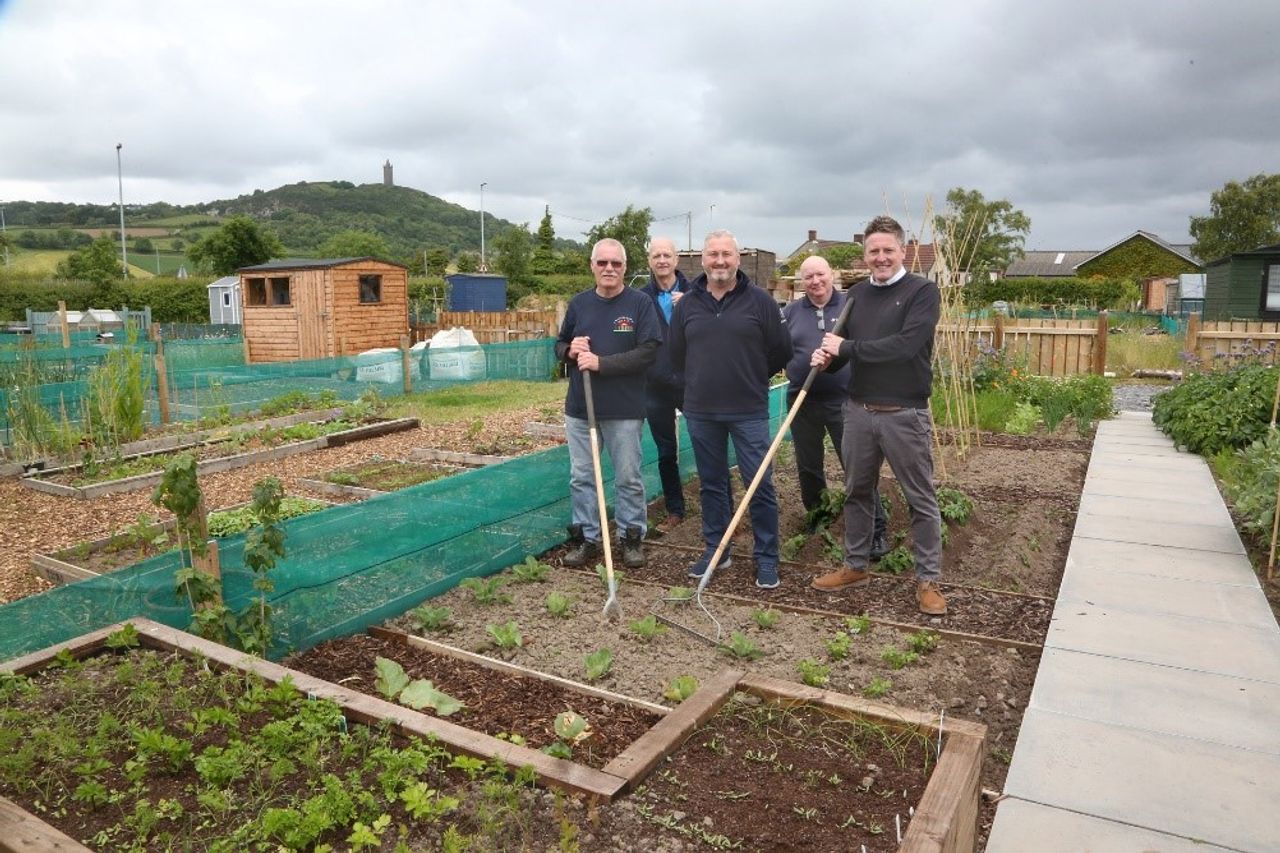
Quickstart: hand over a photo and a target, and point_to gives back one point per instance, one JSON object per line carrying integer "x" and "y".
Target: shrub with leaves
{"x": 954, "y": 505}
{"x": 1250, "y": 479}
{"x": 1208, "y": 412}
{"x": 898, "y": 561}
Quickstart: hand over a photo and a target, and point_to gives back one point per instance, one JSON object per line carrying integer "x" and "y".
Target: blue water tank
{"x": 477, "y": 292}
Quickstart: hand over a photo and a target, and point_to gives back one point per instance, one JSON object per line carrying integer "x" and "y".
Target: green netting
{"x": 207, "y": 377}
{"x": 352, "y": 566}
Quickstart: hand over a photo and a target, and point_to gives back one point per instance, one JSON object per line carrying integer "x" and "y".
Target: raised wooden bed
{"x": 453, "y": 457}
{"x": 945, "y": 819}
{"x": 57, "y": 570}
{"x": 363, "y": 492}
{"x": 213, "y": 466}
{"x": 538, "y": 429}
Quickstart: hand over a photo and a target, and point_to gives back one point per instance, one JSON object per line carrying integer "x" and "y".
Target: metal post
{"x": 688, "y": 221}
{"x": 4, "y": 238}
{"x": 124, "y": 253}
{"x": 483, "y": 266}
{"x": 713, "y": 218}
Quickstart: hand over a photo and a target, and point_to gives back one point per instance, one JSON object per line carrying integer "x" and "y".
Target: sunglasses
{"x": 603, "y": 264}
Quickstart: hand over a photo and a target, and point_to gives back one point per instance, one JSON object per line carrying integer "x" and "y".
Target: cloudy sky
{"x": 1094, "y": 118}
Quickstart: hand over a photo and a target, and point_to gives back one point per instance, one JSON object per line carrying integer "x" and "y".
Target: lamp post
{"x": 713, "y": 217}
{"x": 483, "y": 266}
{"x": 4, "y": 238}
{"x": 124, "y": 253}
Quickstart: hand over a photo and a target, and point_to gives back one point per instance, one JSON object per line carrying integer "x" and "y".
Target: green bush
{"x": 1210, "y": 412}
{"x": 1095, "y": 293}
{"x": 1249, "y": 479}
{"x": 172, "y": 300}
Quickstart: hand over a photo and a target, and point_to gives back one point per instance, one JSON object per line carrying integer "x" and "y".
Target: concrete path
{"x": 1154, "y": 723}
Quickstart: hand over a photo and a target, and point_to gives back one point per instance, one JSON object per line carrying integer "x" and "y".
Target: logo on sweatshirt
{"x": 624, "y": 325}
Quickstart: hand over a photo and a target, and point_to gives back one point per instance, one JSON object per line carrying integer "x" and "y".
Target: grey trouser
{"x": 905, "y": 439}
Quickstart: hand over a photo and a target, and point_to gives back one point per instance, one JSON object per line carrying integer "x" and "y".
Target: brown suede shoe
{"x": 668, "y": 524}
{"x": 930, "y": 599}
{"x": 841, "y": 578}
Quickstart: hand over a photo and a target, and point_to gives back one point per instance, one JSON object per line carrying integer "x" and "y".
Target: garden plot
{"x": 185, "y": 762}
{"x": 376, "y": 476}
{"x": 222, "y": 451}
{"x": 551, "y": 622}
{"x": 148, "y": 537}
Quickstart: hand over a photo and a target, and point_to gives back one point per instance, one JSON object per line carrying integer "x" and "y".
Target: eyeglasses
{"x": 603, "y": 264}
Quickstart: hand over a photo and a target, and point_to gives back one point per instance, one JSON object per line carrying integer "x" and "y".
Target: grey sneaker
{"x": 633, "y": 548}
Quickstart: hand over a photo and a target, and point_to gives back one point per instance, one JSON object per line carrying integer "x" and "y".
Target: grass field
{"x": 36, "y": 260}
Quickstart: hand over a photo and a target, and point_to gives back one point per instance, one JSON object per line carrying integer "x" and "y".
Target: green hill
{"x": 303, "y": 215}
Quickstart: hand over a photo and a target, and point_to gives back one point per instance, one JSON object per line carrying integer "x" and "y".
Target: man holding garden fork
{"x": 610, "y": 331}
{"x": 888, "y": 344}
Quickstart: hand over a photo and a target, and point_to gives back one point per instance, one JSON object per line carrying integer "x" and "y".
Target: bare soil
{"x": 387, "y": 475}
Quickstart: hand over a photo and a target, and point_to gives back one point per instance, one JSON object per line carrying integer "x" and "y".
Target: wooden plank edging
{"x": 514, "y": 669}
{"x": 21, "y": 832}
{"x": 638, "y": 760}
{"x": 339, "y": 490}
{"x": 456, "y": 457}
{"x": 373, "y": 430}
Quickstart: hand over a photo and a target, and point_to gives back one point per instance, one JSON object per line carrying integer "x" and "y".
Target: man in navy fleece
{"x": 888, "y": 344}
{"x": 612, "y": 331}
{"x": 728, "y": 337}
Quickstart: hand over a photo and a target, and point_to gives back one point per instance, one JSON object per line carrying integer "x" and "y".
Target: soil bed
{"x": 495, "y": 702}
{"x": 976, "y": 681}
{"x": 387, "y": 475}
{"x": 771, "y": 778}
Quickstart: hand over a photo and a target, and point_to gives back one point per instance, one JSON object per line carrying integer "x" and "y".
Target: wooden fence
{"x": 493, "y": 327}
{"x": 1050, "y": 347}
{"x": 1214, "y": 341}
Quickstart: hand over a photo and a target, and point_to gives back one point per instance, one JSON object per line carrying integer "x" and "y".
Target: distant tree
{"x": 631, "y": 229}
{"x": 98, "y": 262}
{"x": 989, "y": 234}
{"x": 435, "y": 261}
{"x": 468, "y": 262}
{"x": 143, "y": 244}
{"x": 355, "y": 244}
{"x": 842, "y": 257}
{"x": 512, "y": 253}
{"x": 238, "y": 242}
{"x": 179, "y": 244}
{"x": 1242, "y": 217}
{"x": 544, "y": 256}
{"x": 574, "y": 262}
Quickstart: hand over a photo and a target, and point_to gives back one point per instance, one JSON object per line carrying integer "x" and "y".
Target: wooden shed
{"x": 305, "y": 309}
{"x": 1244, "y": 286}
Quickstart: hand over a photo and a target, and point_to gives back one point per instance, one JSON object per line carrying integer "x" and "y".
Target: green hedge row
{"x": 1096, "y": 293}
{"x": 172, "y": 300}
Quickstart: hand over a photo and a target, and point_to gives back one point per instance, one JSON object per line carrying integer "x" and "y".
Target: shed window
{"x": 1271, "y": 288}
{"x": 280, "y": 291}
{"x": 226, "y": 299}
{"x": 370, "y": 289}
{"x": 257, "y": 291}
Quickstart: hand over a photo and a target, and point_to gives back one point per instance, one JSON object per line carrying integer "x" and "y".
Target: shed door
{"x": 311, "y": 316}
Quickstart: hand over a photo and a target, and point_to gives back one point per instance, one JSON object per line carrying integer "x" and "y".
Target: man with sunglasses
{"x": 727, "y": 338}
{"x": 612, "y": 331}
{"x": 808, "y": 319}
{"x": 664, "y": 386}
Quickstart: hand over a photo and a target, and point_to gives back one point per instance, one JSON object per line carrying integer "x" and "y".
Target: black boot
{"x": 633, "y": 548}
{"x": 878, "y": 546}
{"x": 584, "y": 551}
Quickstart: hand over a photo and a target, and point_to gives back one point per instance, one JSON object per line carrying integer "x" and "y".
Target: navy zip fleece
{"x": 889, "y": 342}
{"x": 806, "y": 336}
{"x": 728, "y": 348}
{"x": 662, "y": 375}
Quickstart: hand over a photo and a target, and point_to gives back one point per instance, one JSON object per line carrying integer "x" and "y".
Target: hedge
{"x": 1095, "y": 293}
{"x": 172, "y": 300}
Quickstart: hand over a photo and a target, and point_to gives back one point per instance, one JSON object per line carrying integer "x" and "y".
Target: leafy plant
{"x": 680, "y": 688}
{"x": 1023, "y": 420}
{"x": 1250, "y": 480}
{"x": 765, "y": 617}
{"x": 955, "y": 506}
{"x": 487, "y": 591}
{"x": 792, "y": 546}
{"x": 838, "y": 646}
{"x": 598, "y": 664}
{"x": 603, "y": 575}
{"x": 858, "y": 624}
{"x": 814, "y": 673}
{"x": 179, "y": 492}
{"x": 125, "y": 638}
{"x": 898, "y": 561}
{"x": 393, "y": 682}
{"x": 829, "y": 507}
{"x": 427, "y": 804}
{"x": 648, "y": 627}
{"x": 559, "y": 604}
{"x": 1207, "y": 412}
{"x": 431, "y": 617}
{"x": 391, "y": 677}
{"x": 878, "y": 687}
{"x": 679, "y": 593}
{"x": 147, "y": 534}
{"x": 530, "y": 571}
{"x": 741, "y": 646}
{"x": 263, "y": 545}
{"x": 922, "y": 642}
{"x": 505, "y": 636}
{"x": 832, "y": 548}
{"x": 897, "y": 658}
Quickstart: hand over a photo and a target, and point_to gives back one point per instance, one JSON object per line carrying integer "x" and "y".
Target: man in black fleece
{"x": 727, "y": 337}
{"x": 664, "y": 386}
{"x": 888, "y": 343}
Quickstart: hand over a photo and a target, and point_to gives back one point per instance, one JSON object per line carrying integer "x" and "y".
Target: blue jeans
{"x": 710, "y": 439}
{"x": 621, "y": 440}
{"x": 661, "y": 405}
